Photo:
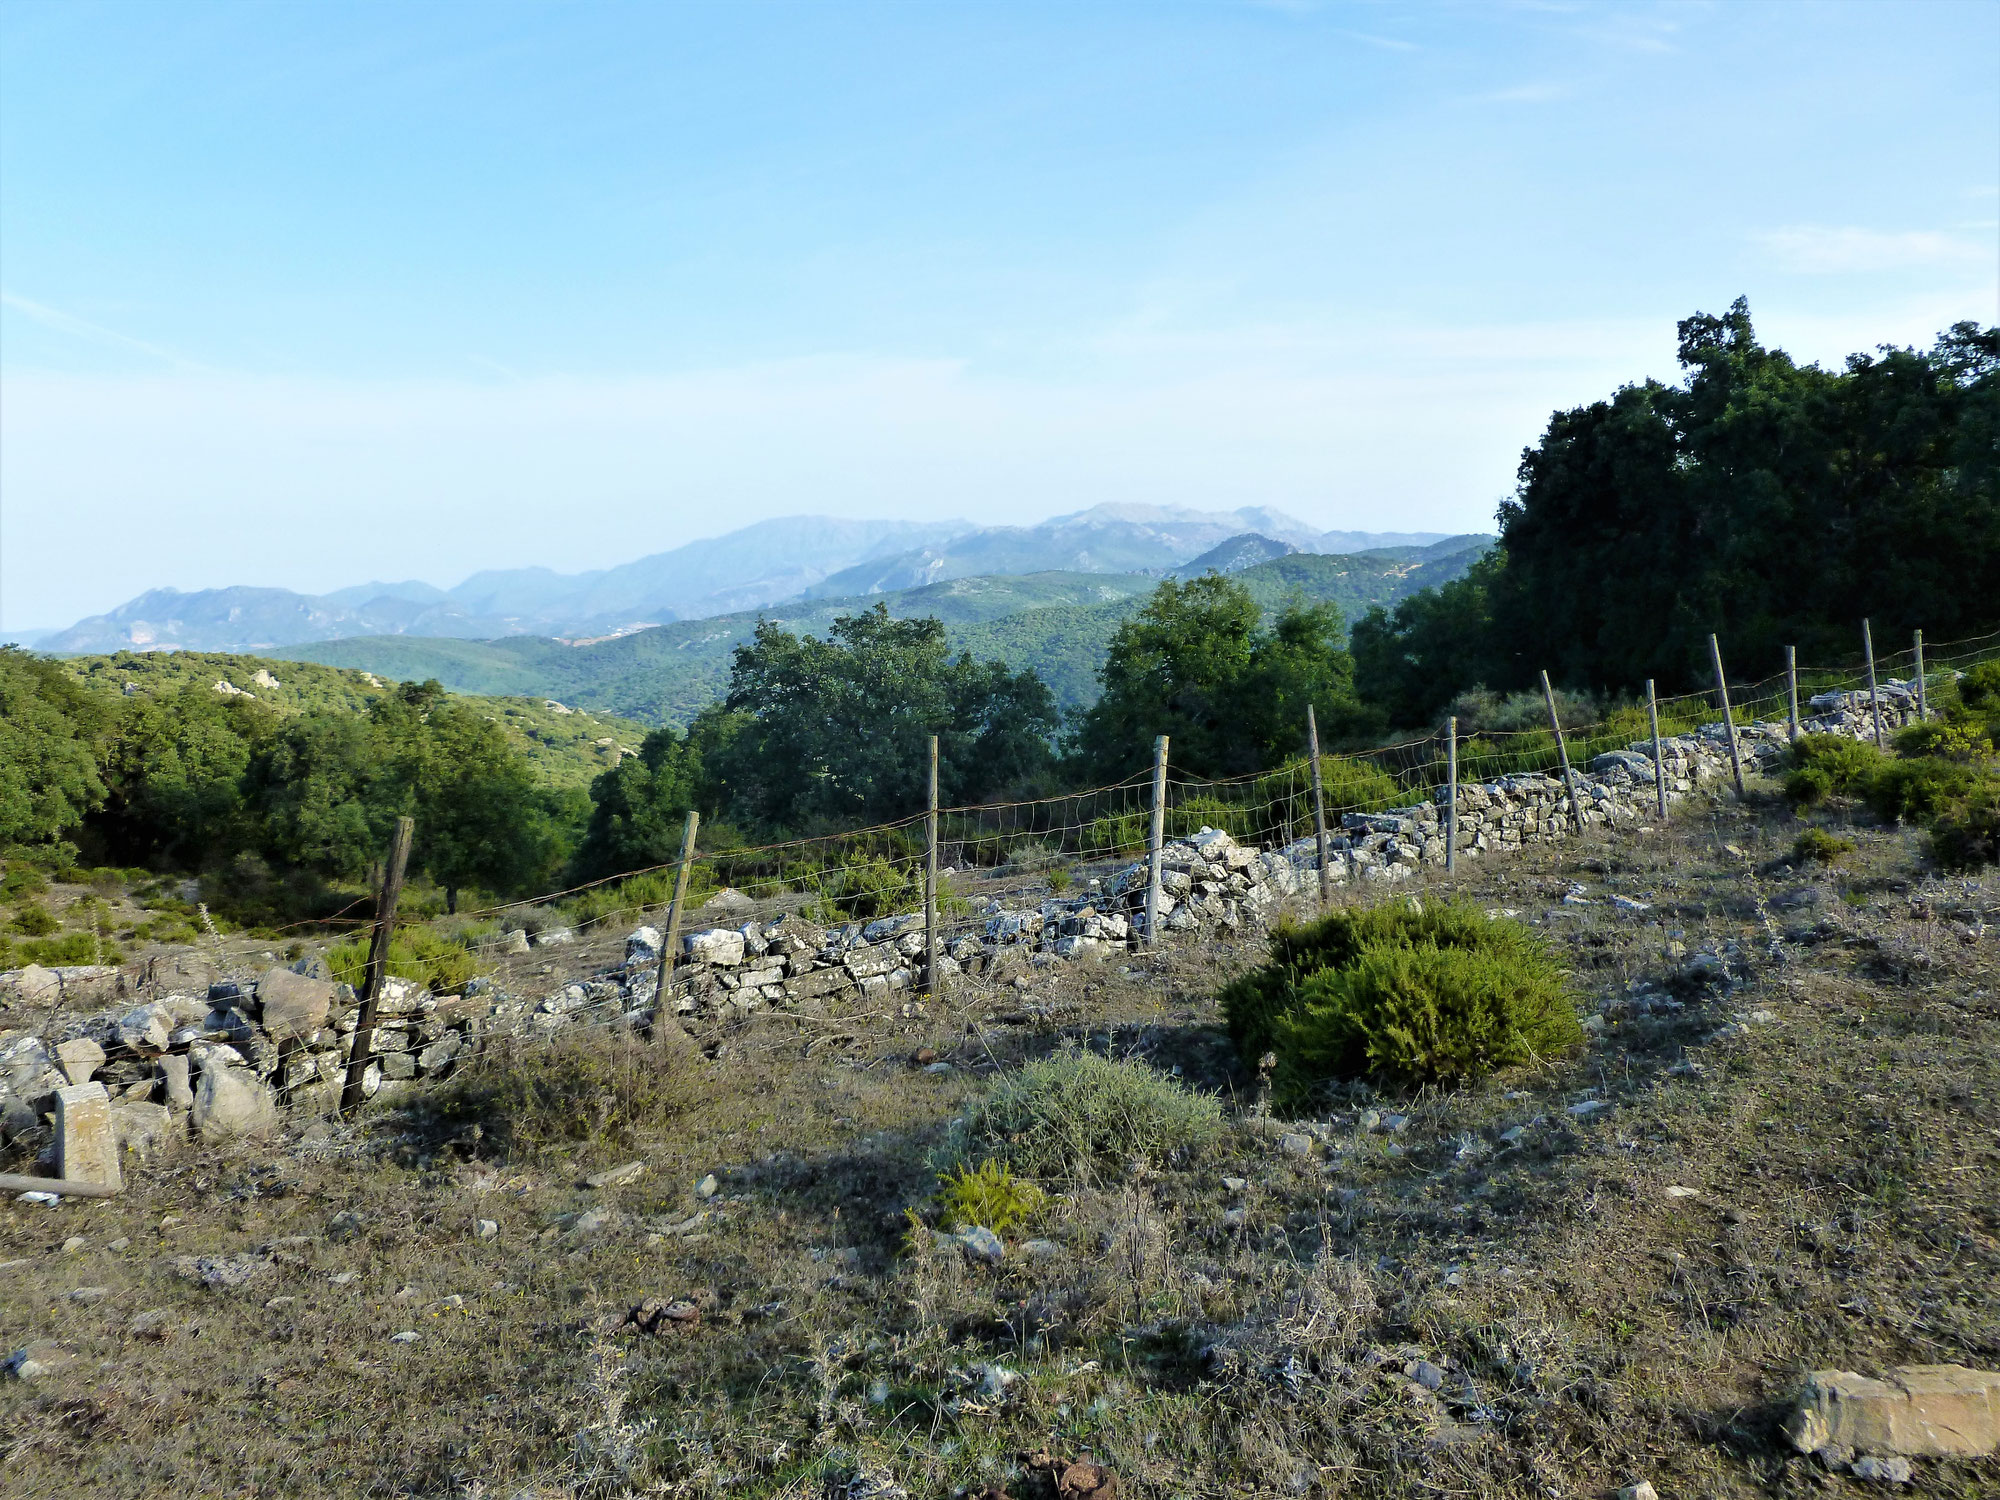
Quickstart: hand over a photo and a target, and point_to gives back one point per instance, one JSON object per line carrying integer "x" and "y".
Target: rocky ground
{"x": 1779, "y": 1152}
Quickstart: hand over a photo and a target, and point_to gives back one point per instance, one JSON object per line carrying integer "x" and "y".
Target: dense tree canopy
{"x": 1769, "y": 502}
{"x": 837, "y": 729}
{"x": 49, "y": 726}
{"x": 639, "y": 807}
{"x": 1198, "y": 665}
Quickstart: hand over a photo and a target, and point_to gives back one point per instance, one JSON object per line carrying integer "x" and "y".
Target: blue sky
{"x": 305, "y": 294}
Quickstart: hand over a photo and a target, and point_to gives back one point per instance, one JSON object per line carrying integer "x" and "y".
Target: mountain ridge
{"x": 766, "y": 564}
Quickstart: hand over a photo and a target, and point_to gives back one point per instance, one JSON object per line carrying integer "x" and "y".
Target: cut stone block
{"x": 79, "y": 1057}
{"x": 1923, "y": 1411}
{"x": 87, "y": 1141}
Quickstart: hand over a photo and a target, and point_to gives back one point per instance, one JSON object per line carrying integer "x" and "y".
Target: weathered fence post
{"x": 1319, "y": 808}
{"x": 663, "y": 991}
{"x": 1874, "y": 693}
{"x": 1923, "y": 693}
{"x": 378, "y": 963}
{"x": 1451, "y": 804}
{"x": 1155, "y": 840}
{"x": 1659, "y": 752}
{"x": 1792, "y": 687}
{"x": 931, "y": 986}
{"x": 1562, "y": 751}
{"x": 1728, "y": 719}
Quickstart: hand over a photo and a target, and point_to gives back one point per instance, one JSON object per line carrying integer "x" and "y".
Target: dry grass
{"x": 1587, "y": 1327}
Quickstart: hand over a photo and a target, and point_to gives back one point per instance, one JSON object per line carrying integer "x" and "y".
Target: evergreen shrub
{"x": 1405, "y": 993}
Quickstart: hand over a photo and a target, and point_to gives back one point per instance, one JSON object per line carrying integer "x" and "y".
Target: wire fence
{"x": 1048, "y": 852}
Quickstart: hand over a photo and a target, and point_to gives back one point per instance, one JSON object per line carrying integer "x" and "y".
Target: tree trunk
{"x": 451, "y": 900}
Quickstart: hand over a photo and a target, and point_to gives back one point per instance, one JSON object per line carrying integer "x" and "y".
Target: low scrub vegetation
{"x": 1408, "y": 993}
{"x": 522, "y": 1101}
{"x": 1816, "y": 845}
{"x": 1076, "y": 1117}
{"x": 989, "y": 1194}
{"x": 1942, "y": 776}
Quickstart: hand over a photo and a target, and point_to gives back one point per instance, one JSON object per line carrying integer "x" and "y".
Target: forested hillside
{"x": 1058, "y": 624}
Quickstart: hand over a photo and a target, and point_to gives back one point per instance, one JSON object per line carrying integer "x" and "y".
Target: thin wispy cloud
{"x": 1818, "y": 249}
{"x": 95, "y": 333}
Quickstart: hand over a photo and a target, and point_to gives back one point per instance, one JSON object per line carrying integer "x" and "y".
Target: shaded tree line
{"x": 1771, "y": 502}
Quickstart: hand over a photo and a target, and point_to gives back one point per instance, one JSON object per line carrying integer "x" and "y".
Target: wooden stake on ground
{"x": 1319, "y": 808}
{"x": 1155, "y": 841}
{"x": 1923, "y": 694}
{"x": 1451, "y": 796}
{"x": 1792, "y": 686}
{"x": 1562, "y": 752}
{"x": 1728, "y": 719}
{"x": 1874, "y": 693}
{"x": 1659, "y": 754}
{"x": 664, "y": 1015}
{"x": 931, "y": 986}
{"x": 378, "y": 963}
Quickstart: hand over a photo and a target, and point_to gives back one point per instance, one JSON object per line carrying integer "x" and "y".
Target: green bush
{"x": 1966, "y": 834}
{"x": 1945, "y": 741}
{"x": 57, "y": 952}
{"x": 1406, "y": 993}
{"x": 1827, "y": 765}
{"x": 32, "y": 919}
{"x": 1979, "y": 689}
{"x": 442, "y": 960}
{"x": 988, "y": 1194}
{"x": 1069, "y": 1117}
{"x": 1816, "y": 844}
{"x": 1917, "y": 790}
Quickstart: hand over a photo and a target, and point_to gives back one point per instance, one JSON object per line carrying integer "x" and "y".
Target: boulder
{"x": 230, "y": 1102}
{"x": 36, "y": 985}
{"x": 1922, "y": 1411}
{"x": 513, "y": 942}
{"x": 140, "y": 1126}
{"x": 720, "y": 947}
{"x": 79, "y": 1058}
{"x": 642, "y": 946}
{"x": 293, "y": 1005}
{"x": 174, "y": 1070}
{"x": 146, "y": 1029}
{"x": 86, "y": 1140}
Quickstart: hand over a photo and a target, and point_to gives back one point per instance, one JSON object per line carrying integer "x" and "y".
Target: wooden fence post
{"x": 931, "y": 986}
{"x": 1923, "y": 694}
{"x": 1792, "y": 687}
{"x": 378, "y": 963}
{"x": 1451, "y": 803}
{"x": 1319, "y": 808}
{"x": 1562, "y": 751}
{"x": 1728, "y": 719}
{"x": 1874, "y": 693}
{"x": 1155, "y": 840}
{"x": 663, "y": 991}
{"x": 1659, "y": 752}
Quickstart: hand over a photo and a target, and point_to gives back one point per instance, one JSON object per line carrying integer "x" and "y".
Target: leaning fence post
{"x": 931, "y": 986}
{"x": 663, "y": 1013}
{"x": 1792, "y": 686}
{"x": 1659, "y": 751}
{"x": 1874, "y": 693}
{"x": 378, "y": 963}
{"x": 1923, "y": 696}
{"x": 1562, "y": 751}
{"x": 1451, "y": 793}
{"x": 1319, "y": 808}
{"x": 1155, "y": 840}
{"x": 1728, "y": 719}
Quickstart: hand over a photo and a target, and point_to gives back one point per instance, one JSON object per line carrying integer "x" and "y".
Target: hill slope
{"x": 562, "y": 745}
{"x": 1058, "y": 623}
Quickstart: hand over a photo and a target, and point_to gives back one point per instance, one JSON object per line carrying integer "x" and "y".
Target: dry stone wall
{"x": 226, "y": 1062}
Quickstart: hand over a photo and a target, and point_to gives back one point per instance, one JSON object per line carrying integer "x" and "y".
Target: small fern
{"x": 988, "y": 1195}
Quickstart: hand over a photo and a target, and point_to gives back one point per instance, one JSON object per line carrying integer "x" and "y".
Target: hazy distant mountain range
{"x": 1060, "y": 623}
{"x": 797, "y": 558}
